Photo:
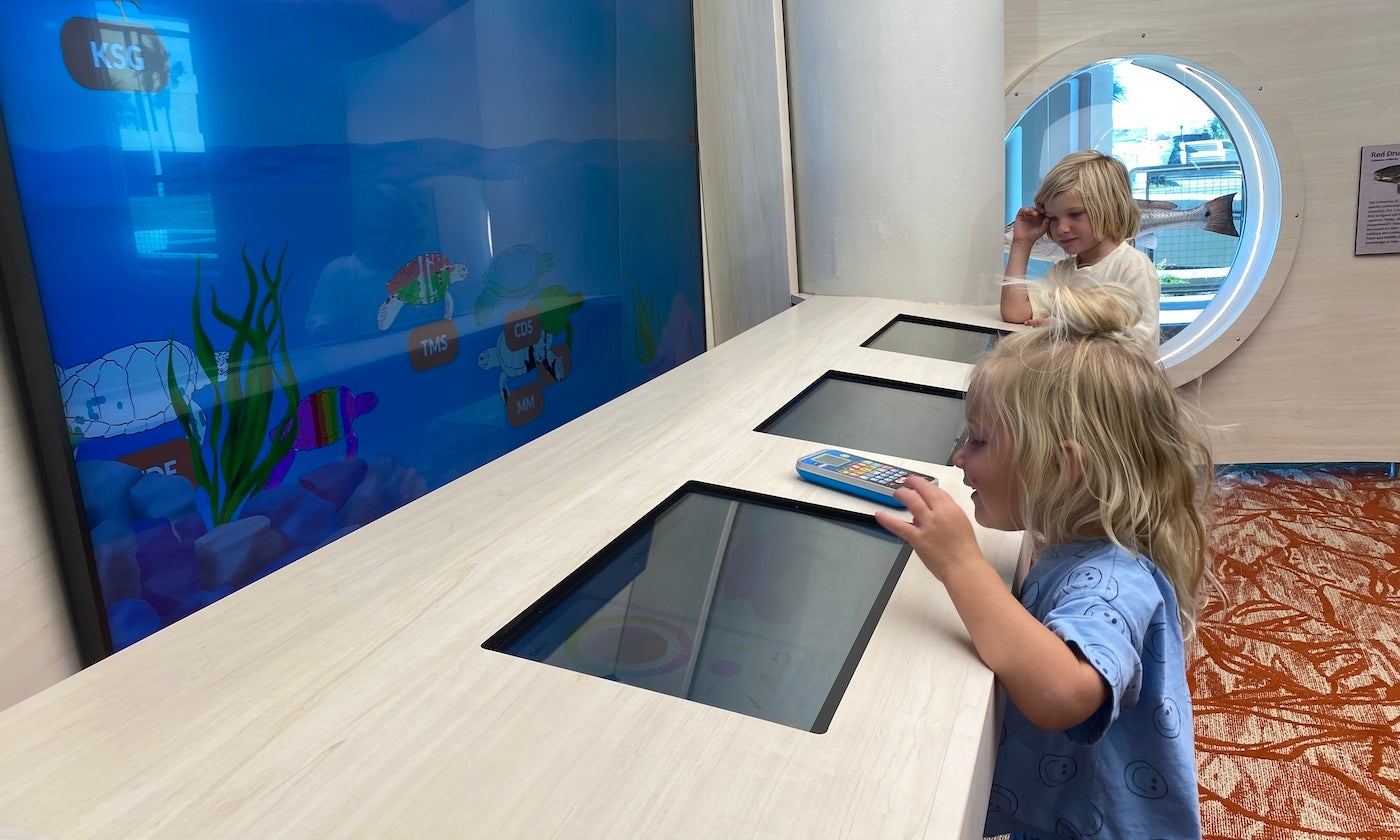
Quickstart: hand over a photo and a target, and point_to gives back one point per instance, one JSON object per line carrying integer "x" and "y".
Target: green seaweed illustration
{"x": 648, "y": 327}
{"x": 257, "y": 362}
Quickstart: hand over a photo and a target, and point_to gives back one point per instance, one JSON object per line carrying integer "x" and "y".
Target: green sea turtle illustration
{"x": 556, "y": 305}
{"x": 422, "y": 281}
{"x": 514, "y": 273}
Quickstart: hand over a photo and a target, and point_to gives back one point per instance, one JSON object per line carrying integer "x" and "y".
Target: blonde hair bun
{"x": 1091, "y": 310}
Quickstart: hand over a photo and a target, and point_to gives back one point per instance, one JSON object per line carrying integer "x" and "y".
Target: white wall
{"x": 745, "y": 163}
{"x": 897, "y": 134}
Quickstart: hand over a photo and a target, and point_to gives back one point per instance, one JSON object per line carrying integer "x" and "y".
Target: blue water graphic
{"x": 464, "y": 228}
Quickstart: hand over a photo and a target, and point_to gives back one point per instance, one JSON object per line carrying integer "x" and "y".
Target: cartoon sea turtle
{"x": 556, "y": 305}
{"x": 322, "y": 419}
{"x": 512, "y": 363}
{"x": 126, "y": 391}
{"x": 423, "y": 280}
{"x": 514, "y": 273}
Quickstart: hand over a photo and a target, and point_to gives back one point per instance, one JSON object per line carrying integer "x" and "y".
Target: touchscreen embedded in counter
{"x": 749, "y": 603}
{"x": 934, "y": 339}
{"x": 901, "y": 419}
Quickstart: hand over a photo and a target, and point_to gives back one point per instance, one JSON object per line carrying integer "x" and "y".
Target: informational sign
{"x": 1378, "y": 201}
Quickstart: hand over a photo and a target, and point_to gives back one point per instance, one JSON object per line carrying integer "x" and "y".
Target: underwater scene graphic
{"x": 301, "y": 263}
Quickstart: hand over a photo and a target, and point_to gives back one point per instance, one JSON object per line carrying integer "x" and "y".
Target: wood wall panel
{"x": 1317, "y": 379}
{"x": 37, "y": 648}
{"x": 746, "y": 183}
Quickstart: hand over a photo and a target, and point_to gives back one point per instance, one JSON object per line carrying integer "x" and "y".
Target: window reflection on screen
{"x": 727, "y": 601}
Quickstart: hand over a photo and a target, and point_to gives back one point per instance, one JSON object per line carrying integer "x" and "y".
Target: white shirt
{"x": 1124, "y": 265}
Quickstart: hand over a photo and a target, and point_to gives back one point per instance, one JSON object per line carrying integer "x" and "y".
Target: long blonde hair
{"x": 1136, "y": 469}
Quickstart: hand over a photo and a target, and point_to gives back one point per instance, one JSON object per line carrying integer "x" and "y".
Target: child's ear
{"x": 1075, "y": 459}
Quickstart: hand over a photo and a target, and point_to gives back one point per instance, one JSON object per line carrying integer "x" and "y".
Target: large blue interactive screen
{"x": 277, "y": 267}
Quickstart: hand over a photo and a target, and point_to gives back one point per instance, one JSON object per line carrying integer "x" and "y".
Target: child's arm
{"x": 1029, "y": 226}
{"x": 1042, "y": 675}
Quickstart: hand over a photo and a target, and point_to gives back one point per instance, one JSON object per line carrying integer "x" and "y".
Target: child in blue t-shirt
{"x": 1076, "y": 437}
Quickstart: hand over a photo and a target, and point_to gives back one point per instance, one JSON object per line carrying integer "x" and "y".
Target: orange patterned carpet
{"x": 1295, "y": 670}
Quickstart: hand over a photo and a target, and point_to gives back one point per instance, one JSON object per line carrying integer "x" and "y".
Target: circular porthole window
{"x": 1211, "y": 175}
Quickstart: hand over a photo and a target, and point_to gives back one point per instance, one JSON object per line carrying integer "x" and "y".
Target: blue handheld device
{"x": 856, "y": 474}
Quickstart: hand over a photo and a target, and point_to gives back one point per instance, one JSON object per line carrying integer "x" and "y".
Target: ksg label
{"x": 106, "y": 55}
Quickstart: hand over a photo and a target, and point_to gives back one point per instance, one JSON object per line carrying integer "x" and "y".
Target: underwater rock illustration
{"x": 514, "y": 273}
{"x": 158, "y": 561}
{"x": 335, "y": 482}
{"x": 386, "y": 486}
{"x": 298, "y": 514}
{"x": 322, "y": 419}
{"x": 233, "y": 552}
{"x": 160, "y": 496}
{"x": 114, "y": 555}
{"x": 169, "y": 576}
{"x": 107, "y": 490}
{"x": 131, "y": 621}
{"x": 125, "y": 391}
{"x": 422, "y": 281}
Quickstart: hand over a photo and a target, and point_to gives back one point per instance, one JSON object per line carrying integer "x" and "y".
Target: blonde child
{"x": 1076, "y": 437}
{"x": 1085, "y": 204}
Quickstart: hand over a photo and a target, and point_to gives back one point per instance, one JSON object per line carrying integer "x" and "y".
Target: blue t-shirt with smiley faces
{"x": 1129, "y": 771}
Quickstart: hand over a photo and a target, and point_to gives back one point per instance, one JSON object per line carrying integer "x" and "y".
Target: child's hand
{"x": 940, "y": 532}
{"x": 1030, "y": 224}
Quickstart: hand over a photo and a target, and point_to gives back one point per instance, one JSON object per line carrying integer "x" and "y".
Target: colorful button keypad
{"x": 875, "y": 473}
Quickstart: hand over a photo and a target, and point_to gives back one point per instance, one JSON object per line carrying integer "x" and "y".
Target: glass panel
{"x": 746, "y": 603}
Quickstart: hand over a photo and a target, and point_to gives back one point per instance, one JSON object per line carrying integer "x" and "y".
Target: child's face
{"x": 1073, "y": 230}
{"x": 985, "y": 459}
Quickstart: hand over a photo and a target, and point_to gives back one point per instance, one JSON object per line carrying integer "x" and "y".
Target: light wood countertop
{"x": 348, "y": 694}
